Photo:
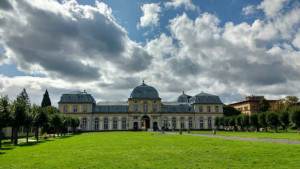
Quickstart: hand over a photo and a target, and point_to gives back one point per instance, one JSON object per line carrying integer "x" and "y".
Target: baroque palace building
{"x": 144, "y": 110}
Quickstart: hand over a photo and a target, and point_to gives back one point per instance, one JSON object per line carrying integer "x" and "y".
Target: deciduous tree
{"x": 284, "y": 119}
{"x": 5, "y": 114}
{"x": 272, "y": 120}
{"x": 254, "y": 121}
{"x": 295, "y": 117}
{"x": 263, "y": 105}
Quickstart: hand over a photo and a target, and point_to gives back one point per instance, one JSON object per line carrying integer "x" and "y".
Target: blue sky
{"x": 229, "y": 48}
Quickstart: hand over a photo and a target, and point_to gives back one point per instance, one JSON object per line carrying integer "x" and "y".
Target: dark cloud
{"x": 62, "y": 43}
{"x": 5, "y": 5}
{"x": 121, "y": 83}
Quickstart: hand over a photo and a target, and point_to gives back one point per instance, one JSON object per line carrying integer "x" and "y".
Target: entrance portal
{"x": 145, "y": 122}
{"x": 155, "y": 128}
{"x": 135, "y": 126}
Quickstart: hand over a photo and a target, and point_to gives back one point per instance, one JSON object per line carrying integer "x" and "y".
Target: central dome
{"x": 144, "y": 92}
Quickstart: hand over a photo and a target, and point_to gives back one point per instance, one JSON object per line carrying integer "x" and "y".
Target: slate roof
{"x": 77, "y": 97}
{"x": 144, "y": 92}
{"x": 205, "y": 98}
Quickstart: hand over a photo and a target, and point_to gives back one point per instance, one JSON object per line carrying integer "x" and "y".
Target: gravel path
{"x": 242, "y": 138}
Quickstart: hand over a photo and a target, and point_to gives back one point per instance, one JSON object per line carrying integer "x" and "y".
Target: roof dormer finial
{"x": 182, "y": 92}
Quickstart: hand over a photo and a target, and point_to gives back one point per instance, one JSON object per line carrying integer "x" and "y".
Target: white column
{"x": 110, "y": 122}
{"x": 139, "y": 127}
{"x": 120, "y": 123}
{"x": 151, "y": 122}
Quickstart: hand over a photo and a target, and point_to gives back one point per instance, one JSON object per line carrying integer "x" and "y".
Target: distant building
{"x": 251, "y": 104}
{"x": 142, "y": 111}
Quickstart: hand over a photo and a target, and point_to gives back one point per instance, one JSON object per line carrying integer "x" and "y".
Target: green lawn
{"x": 291, "y": 135}
{"x": 148, "y": 150}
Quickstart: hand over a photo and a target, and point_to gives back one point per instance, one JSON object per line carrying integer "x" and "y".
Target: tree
{"x": 262, "y": 120}
{"x": 217, "y": 122}
{"x": 226, "y": 121}
{"x": 24, "y": 96}
{"x": 284, "y": 119}
{"x": 272, "y": 120}
{"x": 39, "y": 119}
{"x": 239, "y": 121}
{"x": 232, "y": 122}
{"x": 287, "y": 103}
{"x": 263, "y": 105}
{"x": 295, "y": 117}
{"x": 75, "y": 123}
{"x": 18, "y": 117}
{"x": 254, "y": 121}
{"x": 46, "y": 100}
{"x": 5, "y": 114}
{"x": 56, "y": 123}
{"x": 28, "y": 121}
{"x": 230, "y": 111}
{"x": 246, "y": 121}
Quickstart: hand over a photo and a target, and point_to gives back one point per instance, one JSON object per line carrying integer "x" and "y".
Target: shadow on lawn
{"x": 10, "y": 146}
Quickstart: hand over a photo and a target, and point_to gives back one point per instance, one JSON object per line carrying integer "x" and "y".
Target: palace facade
{"x": 251, "y": 104}
{"x": 143, "y": 110}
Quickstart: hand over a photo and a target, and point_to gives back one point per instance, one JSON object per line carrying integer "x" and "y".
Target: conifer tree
{"x": 46, "y": 99}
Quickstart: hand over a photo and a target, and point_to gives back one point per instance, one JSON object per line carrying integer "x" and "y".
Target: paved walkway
{"x": 242, "y": 138}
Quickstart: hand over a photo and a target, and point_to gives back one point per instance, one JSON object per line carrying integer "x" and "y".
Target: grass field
{"x": 148, "y": 150}
{"x": 291, "y": 135}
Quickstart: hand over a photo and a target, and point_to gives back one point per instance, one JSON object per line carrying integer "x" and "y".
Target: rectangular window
{"x": 115, "y": 123}
{"x": 96, "y": 123}
{"x": 174, "y": 122}
{"x": 253, "y": 108}
{"x": 74, "y": 108}
{"x": 246, "y": 108}
{"x": 209, "y": 123}
{"x": 208, "y": 108}
{"x": 201, "y": 122}
{"x": 182, "y": 122}
{"x": 84, "y": 108}
{"x": 105, "y": 123}
{"x": 154, "y": 117}
{"x": 145, "y": 108}
{"x": 190, "y": 122}
{"x": 135, "y": 117}
{"x": 165, "y": 122}
{"x": 200, "y": 109}
{"x": 123, "y": 123}
{"x": 83, "y": 123}
{"x": 217, "y": 109}
{"x": 154, "y": 108}
{"x": 65, "y": 108}
{"x": 135, "y": 108}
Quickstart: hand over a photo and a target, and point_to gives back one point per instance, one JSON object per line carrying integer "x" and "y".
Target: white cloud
{"x": 296, "y": 41}
{"x": 272, "y": 8}
{"x": 248, "y": 10}
{"x": 150, "y": 15}
{"x": 188, "y": 5}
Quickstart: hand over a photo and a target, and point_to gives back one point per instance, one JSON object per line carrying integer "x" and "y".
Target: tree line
{"x": 43, "y": 119}
{"x": 285, "y": 114}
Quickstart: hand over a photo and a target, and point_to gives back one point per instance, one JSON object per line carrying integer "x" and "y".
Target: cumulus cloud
{"x": 187, "y": 4}
{"x": 248, "y": 10}
{"x": 272, "y": 8}
{"x": 196, "y": 54}
{"x": 67, "y": 40}
{"x": 150, "y": 15}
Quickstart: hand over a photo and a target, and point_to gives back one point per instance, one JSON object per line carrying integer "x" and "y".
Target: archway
{"x": 145, "y": 120}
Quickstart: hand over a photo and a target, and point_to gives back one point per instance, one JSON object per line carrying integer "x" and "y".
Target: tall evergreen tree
{"x": 24, "y": 96}
{"x": 46, "y": 99}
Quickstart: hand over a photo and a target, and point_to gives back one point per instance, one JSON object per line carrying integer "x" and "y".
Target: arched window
{"x": 182, "y": 122}
{"x": 96, "y": 124}
{"x": 124, "y": 123}
{"x": 115, "y": 123}
{"x": 166, "y": 122}
{"x": 105, "y": 123}
{"x": 190, "y": 122}
{"x": 174, "y": 122}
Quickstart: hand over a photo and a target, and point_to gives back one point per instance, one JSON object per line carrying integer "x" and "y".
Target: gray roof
{"x": 113, "y": 103}
{"x": 183, "y": 98}
{"x": 144, "y": 92}
{"x": 205, "y": 98}
{"x": 77, "y": 97}
{"x": 175, "y": 107}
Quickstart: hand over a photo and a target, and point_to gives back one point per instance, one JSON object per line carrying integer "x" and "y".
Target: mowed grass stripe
{"x": 149, "y": 150}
